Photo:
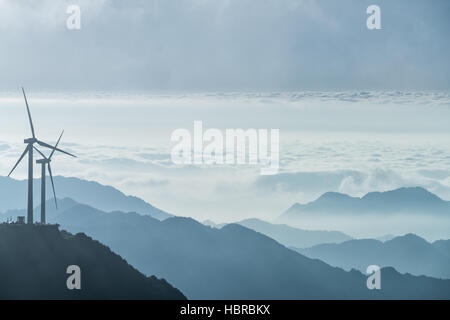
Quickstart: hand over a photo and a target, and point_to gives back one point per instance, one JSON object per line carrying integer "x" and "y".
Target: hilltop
{"x": 34, "y": 261}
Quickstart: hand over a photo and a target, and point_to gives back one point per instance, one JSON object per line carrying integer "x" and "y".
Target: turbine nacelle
{"x": 30, "y": 141}
{"x": 41, "y": 161}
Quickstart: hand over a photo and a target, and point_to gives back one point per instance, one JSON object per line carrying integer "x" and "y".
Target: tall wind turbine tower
{"x": 29, "y": 149}
{"x": 46, "y": 162}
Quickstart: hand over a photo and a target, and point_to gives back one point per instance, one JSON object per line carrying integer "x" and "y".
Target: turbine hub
{"x": 30, "y": 140}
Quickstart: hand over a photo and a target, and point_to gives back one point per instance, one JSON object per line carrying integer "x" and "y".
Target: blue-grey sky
{"x": 220, "y": 45}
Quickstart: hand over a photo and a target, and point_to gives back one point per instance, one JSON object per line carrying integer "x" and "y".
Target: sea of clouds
{"x": 350, "y": 142}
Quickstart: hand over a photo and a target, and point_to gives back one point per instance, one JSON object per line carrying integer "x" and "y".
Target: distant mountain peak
{"x": 408, "y": 238}
{"x": 416, "y": 192}
{"x": 334, "y": 196}
{"x": 406, "y": 200}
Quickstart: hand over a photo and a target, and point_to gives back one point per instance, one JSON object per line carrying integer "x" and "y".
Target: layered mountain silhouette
{"x": 414, "y": 200}
{"x": 34, "y": 261}
{"x": 92, "y": 193}
{"x": 51, "y": 211}
{"x": 233, "y": 262}
{"x": 289, "y": 236}
{"x": 443, "y": 245}
{"x": 408, "y": 253}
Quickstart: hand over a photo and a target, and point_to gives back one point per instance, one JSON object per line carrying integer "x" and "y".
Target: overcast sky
{"x": 222, "y": 45}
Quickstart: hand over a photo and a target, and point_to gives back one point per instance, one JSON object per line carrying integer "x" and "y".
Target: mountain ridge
{"x": 293, "y": 237}
{"x": 106, "y": 198}
{"x": 233, "y": 262}
{"x": 410, "y": 200}
{"x": 407, "y": 254}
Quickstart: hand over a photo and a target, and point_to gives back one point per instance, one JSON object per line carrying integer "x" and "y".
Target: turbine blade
{"x": 20, "y": 159}
{"x": 39, "y": 151}
{"x": 53, "y": 185}
{"x": 29, "y": 114}
{"x": 43, "y": 144}
{"x": 56, "y": 145}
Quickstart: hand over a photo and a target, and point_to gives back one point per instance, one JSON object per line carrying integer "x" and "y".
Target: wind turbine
{"x": 46, "y": 161}
{"x": 29, "y": 149}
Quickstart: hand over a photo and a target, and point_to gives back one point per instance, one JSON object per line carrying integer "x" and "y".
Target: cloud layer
{"x": 351, "y": 142}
